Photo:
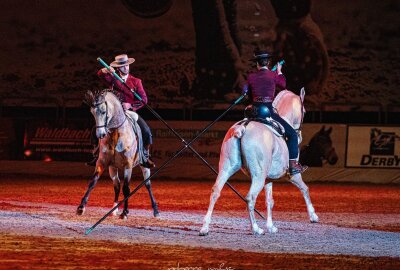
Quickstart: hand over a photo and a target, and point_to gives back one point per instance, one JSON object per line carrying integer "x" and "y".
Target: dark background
{"x": 49, "y": 51}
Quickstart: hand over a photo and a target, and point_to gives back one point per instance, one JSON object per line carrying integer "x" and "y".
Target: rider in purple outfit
{"x": 261, "y": 91}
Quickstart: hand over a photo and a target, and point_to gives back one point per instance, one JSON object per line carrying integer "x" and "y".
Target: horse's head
{"x": 323, "y": 143}
{"x": 100, "y": 110}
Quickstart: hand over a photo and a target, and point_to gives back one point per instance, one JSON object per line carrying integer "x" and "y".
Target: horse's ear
{"x": 328, "y": 131}
{"x": 103, "y": 92}
{"x": 89, "y": 98}
{"x": 322, "y": 130}
{"x": 302, "y": 94}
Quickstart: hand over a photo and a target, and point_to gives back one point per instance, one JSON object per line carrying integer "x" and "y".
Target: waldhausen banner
{"x": 47, "y": 142}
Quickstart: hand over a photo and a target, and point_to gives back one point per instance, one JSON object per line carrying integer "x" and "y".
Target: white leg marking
{"x": 270, "y": 204}
{"x": 255, "y": 188}
{"x": 115, "y": 212}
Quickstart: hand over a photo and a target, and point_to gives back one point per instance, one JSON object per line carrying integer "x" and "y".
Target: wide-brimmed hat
{"x": 261, "y": 54}
{"x": 122, "y": 60}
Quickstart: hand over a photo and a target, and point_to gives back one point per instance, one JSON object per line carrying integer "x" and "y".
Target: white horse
{"x": 261, "y": 155}
{"x": 118, "y": 148}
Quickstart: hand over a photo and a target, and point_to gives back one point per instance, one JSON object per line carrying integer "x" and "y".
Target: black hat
{"x": 261, "y": 54}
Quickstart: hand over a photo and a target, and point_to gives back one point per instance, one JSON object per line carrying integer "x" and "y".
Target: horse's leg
{"x": 270, "y": 204}
{"x": 299, "y": 183}
{"x": 117, "y": 186}
{"x": 222, "y": 177}
{"x": 257, "y": 184}
{"x": 126, "y": 190}
{"x": 97, "y": 173}
{"x": 229, "y": 163}
{"x": 146, "y": 174}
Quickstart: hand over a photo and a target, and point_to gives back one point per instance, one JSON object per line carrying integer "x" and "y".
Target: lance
{"x": 276, "y": 66}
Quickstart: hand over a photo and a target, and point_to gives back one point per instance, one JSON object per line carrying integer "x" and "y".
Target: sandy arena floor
{"x": 359, "y": 228}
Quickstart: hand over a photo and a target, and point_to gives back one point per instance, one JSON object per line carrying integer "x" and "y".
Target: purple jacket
{"x": 262, "y": 84}
{"x": 124, "y": 94}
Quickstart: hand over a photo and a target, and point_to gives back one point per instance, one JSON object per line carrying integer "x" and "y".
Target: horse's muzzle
{"x": 101, "y": 133}
{"x": 332, "y": 157}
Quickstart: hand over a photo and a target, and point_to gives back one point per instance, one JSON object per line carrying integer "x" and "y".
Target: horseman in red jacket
{"x": 129, "y": 101}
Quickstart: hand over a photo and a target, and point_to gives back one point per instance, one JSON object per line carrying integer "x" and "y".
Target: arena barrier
{"x": 188, "y": 166}
{"x": 364, "y": 153}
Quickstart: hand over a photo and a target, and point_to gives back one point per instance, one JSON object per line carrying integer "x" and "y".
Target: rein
{"x": 302, "y": 117}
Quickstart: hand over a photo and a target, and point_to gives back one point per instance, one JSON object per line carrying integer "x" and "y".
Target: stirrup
{"x": 294, "y": 171}
{"x": 297, "y": 168}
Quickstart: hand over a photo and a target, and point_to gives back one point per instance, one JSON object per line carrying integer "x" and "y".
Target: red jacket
{"x": 124, "y": 94}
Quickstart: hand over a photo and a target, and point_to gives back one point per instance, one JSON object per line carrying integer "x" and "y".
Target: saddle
{"x": 261, "y": 114}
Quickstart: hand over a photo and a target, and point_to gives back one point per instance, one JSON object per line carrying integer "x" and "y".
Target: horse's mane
{"x": 98, "y": 96}
{"x": 286, "y": 92}
{"x": 289, "y": 110}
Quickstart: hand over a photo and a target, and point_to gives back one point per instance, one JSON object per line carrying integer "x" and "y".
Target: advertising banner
{"x": 323, "y": 145}
{"x": 373, "y": 147}
{"x": 48, "y": 142}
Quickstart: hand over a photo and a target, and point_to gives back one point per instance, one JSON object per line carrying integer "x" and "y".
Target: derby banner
{"x": 373, "y": 147}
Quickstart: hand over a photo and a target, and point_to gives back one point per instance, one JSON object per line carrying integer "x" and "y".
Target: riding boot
{"x": 295, "y": 167}
{"x": 148, "y": 163}
{"x": 95, "y": 153}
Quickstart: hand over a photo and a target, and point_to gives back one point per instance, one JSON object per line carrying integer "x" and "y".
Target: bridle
{"x": 106, "y": 121}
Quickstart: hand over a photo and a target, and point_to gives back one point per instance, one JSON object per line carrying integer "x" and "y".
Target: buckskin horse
{"x": 118, "y": 148}
{"x": 261, "y": 155}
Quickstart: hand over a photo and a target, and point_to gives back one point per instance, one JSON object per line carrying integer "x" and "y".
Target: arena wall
{"x": 364, "y": 153}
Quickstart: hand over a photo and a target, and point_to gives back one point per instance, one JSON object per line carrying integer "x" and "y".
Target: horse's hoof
{"x": 203, "y": 233}
{"x": 259, "y": 231}
{"x": 124, "y": 215}
{"x": 273, "y": 229}
{"x": 314, "y": 218}
{"x": 80, "y": 211}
